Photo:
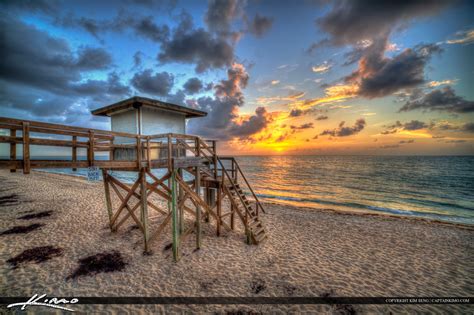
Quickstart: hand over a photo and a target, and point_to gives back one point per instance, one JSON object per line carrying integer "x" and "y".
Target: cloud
{"x": 155, "y": 84}
{"x": 43, "y": 6}
{"x": 252, "y": 125}
{"x": 469, "y": 127}
{"x": 303, "y": 126}
{"x": 296, "y": 112}
{"x": 147, "y": 28}
{"x": 407, "y": 141}
{"x": 223, "y": 120}
{"x": 272, "y": 99}
{"x": 93, "y": 59}
{"x": 433, "y": 84}
{"x": 322, "y": 117}
{"x": 193, "y": 86}
{"x": 350, "y": 22}
{"x": 343, "y": 131}
{"x": 378, "y": 75}
{"x": 275, "y": 82}
{"x": 322, "y": 68}
{"x": 35, "y": 60}
{"x": 414, "y": 125}
{"x": 259, "y": 25}
{"x": 463, "y": 37}
{"x": 220, "y": 13}
{"x": 444, "y": 99}
{"x": 197, "y": 46}
{"x": 409, "y": 126}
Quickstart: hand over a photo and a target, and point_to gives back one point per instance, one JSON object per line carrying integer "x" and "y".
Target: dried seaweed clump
{"x": 35, "y": 255}
{"x": 102, "y": 262}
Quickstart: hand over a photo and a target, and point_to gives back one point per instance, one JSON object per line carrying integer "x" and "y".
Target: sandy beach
{"x": 307, "y": 253}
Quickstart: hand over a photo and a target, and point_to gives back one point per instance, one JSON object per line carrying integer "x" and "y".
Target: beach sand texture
{"x": 308, "y": 253}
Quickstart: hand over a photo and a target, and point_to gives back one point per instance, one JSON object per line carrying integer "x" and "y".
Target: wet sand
{"x": 307, "y": 253}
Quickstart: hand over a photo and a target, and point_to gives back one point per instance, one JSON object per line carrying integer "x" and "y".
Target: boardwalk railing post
{"x": 198, "y": 208}
{"x": 13, "y": 149}
{"x": 174, "y": 214}
{"x": 105, "y": 178}
{"x": 74, "y": 151}
{"x": 26, "y": 147}
{"x": 90, "y": 149}
{"x": 144, "y": 208}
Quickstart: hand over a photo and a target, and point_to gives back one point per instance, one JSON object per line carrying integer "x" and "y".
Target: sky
{"x": 275, "y": 77}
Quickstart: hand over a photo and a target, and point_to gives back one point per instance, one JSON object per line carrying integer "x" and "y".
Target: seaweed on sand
{"x": 98, "y": 263}
{"x": 35, "y": 255}
{"x": 38, "y": 215}
{"x": 22, "y": 229}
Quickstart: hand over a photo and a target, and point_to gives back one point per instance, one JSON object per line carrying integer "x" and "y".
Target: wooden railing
{"x": 235, "y": 170}
{"x": 152, "y": 151}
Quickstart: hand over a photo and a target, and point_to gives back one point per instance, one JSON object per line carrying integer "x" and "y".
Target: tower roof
{"x": 137, "y": 101}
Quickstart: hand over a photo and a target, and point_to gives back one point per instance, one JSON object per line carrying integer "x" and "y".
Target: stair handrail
{"x": 248, "y": 185}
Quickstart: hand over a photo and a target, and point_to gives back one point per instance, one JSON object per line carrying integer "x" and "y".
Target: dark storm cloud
{"x": 196, "y": 45}
{"x": 220, "y": 13}
{"x": 223, "y": 108}
{"x": 193, "y": 86}
{"x": 159, "y": 83}
{"x": 259, "y": 25}
{"x": 93, "y": 59}
{"x": 44, "y": 6}
{"x": 34, "y": 58}
{"x": 444, "y": 99}
{"x": 379, "y": 76}
{"x": 147, "y": 28}
{"x": 351, "y": 21}
{"x": 344, "y": 131}
{"x": 252, "y": 125}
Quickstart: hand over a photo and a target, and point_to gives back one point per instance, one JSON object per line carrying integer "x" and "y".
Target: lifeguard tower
{"x": 148, "y": 135}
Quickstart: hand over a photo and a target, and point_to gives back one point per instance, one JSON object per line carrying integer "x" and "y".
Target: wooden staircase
{"x": 255, "y": 229}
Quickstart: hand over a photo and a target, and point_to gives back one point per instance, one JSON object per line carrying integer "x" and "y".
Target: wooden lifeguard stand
{"x": 149, "y": 134}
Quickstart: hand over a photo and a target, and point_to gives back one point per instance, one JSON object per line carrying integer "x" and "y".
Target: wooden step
{"x": 260, "y": 238}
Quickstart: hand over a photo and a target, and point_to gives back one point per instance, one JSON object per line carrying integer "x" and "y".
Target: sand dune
{"x": 308, "y": 253}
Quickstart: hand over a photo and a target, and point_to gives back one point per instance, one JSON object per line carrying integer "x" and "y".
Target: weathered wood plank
{"x": 26, "y": 148}
{"x": 13, "y": 149}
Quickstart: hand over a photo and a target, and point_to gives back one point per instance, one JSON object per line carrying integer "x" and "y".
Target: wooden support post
{"x": 12, "y": 149}
{"x": 148, "y": 153}
{"x": 26, "y": 148}
{"x": 170, "y": 168}
{"x": 144, "y": 208}
{"x": 174, "y": 215}
{"x": 214, "y": 157}
{"x": 108, "y": 200}
{"x": 111, "y": 152}
{"x": 219, "y": 205}
{"x": 198, "y": 208}
{"x": 90, "y": 149}
{"x": 139, "y": 153}
{"x": 74, "y": 151}
{"x": 180, "y": 209}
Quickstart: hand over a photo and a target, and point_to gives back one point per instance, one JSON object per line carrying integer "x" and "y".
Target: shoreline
{"x": 304, "y": 208}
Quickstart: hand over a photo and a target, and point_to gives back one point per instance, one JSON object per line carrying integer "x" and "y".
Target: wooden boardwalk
{"x": 214, "y": 178}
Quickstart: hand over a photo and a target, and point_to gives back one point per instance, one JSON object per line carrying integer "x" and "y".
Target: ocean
{"x": 432, "y": 187}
